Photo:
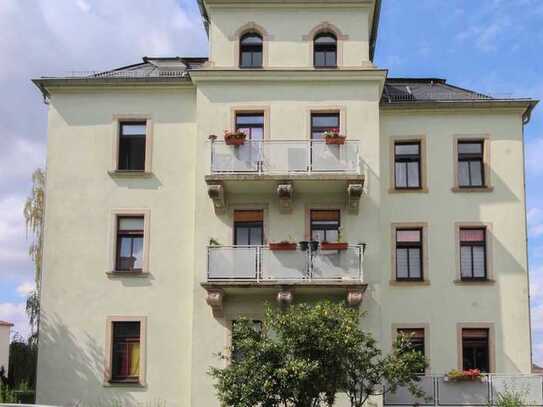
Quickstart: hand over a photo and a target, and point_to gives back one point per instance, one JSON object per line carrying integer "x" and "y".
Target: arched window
{"x": 325, "y": 50}
{"x": 250, "y": 50}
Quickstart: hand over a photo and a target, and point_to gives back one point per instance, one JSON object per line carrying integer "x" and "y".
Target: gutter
{"x": 374, "y": 28}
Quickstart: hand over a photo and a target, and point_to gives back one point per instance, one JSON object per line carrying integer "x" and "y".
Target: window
{"x": 325, "y": 225}
{"x": 252, "y": 124}
{"x": 126, "y": 352}
{"x": 409, "y": 254}
{"x": 129, "y": 243}
{"x": 416, "y": 336}
{"x": 248, "y": 227}
{"x": 250, "y": 50}
{"x": 475, "y": 349}
{"x": 132, "y": 140}
{"x": 407, "y": 165}
{"x": 473, "y": 253}
{"x": 322, "y": 122}
{"x": 325, "y": 51}
{"x": 237, "y": 355}
{"x": 471, "y": 172}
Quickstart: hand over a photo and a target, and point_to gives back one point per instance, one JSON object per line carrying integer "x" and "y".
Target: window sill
{"x": 470, "y": 189}
{"x": 125, "y": 384}
{"x": 129, "y": 274}
{"x": 399, "y": 283}
{"x": 407, "y": 190}
{"x": 129, "y": 174}
{"x": 475, "y": 282}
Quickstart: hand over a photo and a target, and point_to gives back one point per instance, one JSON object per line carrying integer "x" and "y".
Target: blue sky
{"x": 492, "y": 46}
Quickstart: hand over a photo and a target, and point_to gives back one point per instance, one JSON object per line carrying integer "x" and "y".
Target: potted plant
{"x": 456, "y": 375}
{"x": 234, "y": 138}
{"x": 333, "y": 137}
{"x": 306, "y": 244}
{"x": 339, "y": 245}
{"x": 283, "y": 245}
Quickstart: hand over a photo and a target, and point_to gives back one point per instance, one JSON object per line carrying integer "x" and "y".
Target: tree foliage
{"x": 306, "y": 355}
{"x": 22, "y": 363}
{"x": 34, "y": 213}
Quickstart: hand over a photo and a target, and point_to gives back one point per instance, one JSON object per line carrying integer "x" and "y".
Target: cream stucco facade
{"x": 186, "y": 315}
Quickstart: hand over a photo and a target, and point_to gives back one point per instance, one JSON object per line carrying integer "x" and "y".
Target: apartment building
{"x": 5, "y": 333}
{"x": 402, "y": 196}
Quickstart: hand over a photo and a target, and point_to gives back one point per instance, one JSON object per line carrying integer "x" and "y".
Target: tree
{"x": 34, "y": 213}
{"x": 305, "y": 355}
{"x": 22, "y": 362}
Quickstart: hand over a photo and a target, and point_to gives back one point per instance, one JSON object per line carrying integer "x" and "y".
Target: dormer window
{"x": 250, "y": 50}
{"x": 325, "y": 51}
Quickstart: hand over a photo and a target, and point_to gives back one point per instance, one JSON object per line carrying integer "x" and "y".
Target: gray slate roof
{"x": 398, "y": 90}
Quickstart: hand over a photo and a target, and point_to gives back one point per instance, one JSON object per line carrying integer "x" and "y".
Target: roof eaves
{"x": 5, "y": 323}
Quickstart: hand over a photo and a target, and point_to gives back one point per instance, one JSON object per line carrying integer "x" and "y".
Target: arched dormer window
{"x": 250, "y": 50}
{"x": 325, "y": 50}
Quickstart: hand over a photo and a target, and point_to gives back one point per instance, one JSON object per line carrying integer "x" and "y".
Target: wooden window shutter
{"x": 328, "y": 215}
{"x": 474, "y": 333}
{"x": 249, "y": 216}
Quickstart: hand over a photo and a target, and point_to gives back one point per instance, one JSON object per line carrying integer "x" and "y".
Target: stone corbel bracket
{"x": 285, "y": 297}
{"x": 355, "y": 297}
{"x": 216, "y": 193}
{"x": 285, "y": 193}
{"x": 354, "y": 193}
{"x": 215, "y": 297}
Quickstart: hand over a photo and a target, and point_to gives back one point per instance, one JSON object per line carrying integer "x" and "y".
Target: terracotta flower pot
{"x": 336, "y": 139}
{"x": 283, "y": 246}
{"x": 334, "y": 246}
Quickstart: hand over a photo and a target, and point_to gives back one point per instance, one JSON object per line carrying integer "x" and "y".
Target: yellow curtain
{"x": 134, "y": 360}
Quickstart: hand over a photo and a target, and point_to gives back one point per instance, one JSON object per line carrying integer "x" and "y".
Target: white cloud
{"x": 535, "y": 222}
{"x": 25, "y": 288}
{"x": 16, "y": 314}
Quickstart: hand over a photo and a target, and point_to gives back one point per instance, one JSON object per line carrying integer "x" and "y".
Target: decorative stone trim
{"x": 285, "y": 297}
{"x": 354, "y": 193}
{"x": 325, "y": 26}
{"x": 285, "y": 193}
{"x": 355, "y": 297}
{"x": 250, "y": 26}
{"x": 216, "y": 193}
{"x": 214, "y": 299}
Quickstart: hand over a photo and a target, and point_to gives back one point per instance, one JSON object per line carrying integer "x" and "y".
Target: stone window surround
{"x": 115, "y": 214}
{"x": 263, "y": 109}
{"x": 425, "y": 257}
{"x": 489, "y": 253}
{"x": 109, "y": 350}
{"x": 422, "y": 139}
{"x": 491, "y": 342}
{"x": 251, "y": 26}
{"x": 341, "y": 109}
{"x": 486, "y": 162}
{"x": 324, "y": 27}
{"x": 415, "y": 325}
{"x": 116, "y": 126}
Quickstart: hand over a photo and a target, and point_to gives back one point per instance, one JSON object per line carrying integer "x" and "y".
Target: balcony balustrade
{"x": 285, "y": 157}
{"x": 239, "y": 269}
{"x": 260, "y": 264}
{"x": 480, "y": 392}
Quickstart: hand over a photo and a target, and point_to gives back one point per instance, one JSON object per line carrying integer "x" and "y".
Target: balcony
{"x": 282, "y": 166}
{"x": 258, "y": 269}
{"x": 441, "y": 392}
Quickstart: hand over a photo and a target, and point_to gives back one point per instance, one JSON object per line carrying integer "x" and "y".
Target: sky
{"x": 492, "y": 46}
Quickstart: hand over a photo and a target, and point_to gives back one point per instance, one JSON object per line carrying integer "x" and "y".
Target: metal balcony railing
{"x": 261, "y": 264}
{"x": 284, "y": 156}
{"x": 442, "y": 392}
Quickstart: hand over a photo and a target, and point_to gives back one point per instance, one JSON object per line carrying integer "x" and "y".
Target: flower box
{"x": 334, "y": 246}
{"x": 236, "y": 138}
{"x": 471, "y": 375}
{"x": 283, "y": 246}
{"x": 333, "y": 137}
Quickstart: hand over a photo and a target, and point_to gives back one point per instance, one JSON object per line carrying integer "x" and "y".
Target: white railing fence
{"x": 284, "y": 156}
{"x": 260, "y": 263}
{"x": 442, "y": 392}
